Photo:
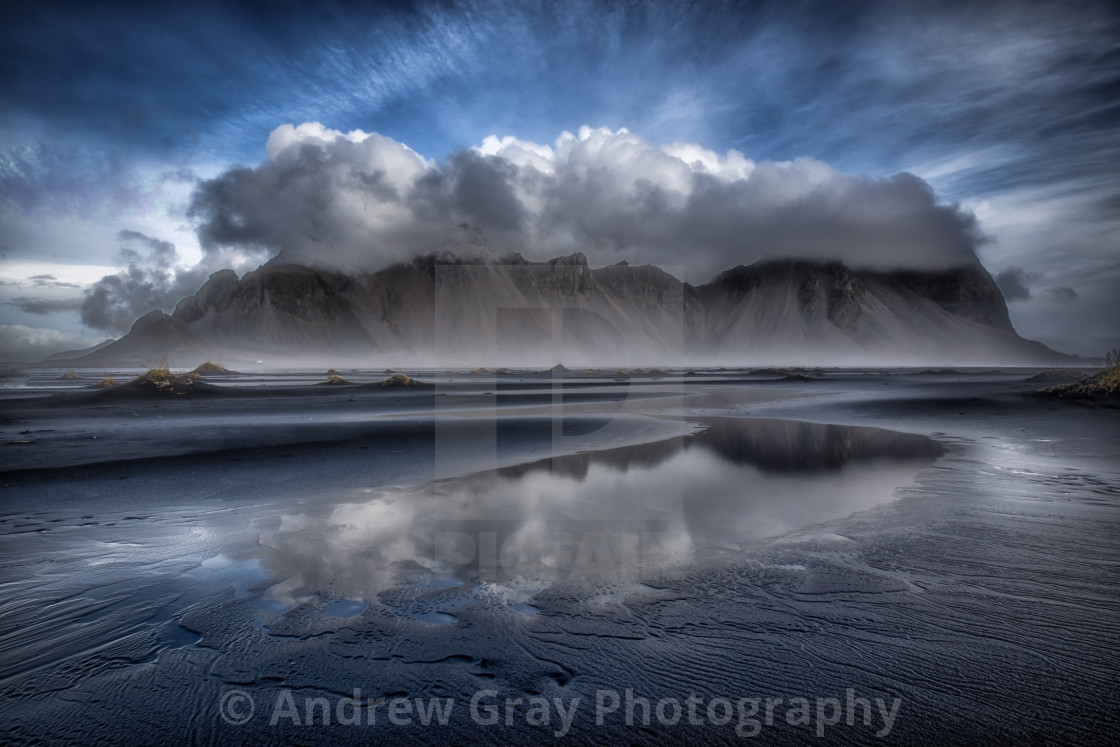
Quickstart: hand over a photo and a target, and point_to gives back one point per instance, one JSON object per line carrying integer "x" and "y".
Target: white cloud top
{"x": 362, "y": 199}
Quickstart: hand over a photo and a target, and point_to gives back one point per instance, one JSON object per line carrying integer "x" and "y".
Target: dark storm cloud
{"x": 44, "y": 306}
{"x": 50, "y": 281}
{"x": 1015, "y": 283}
{"x": 475, "y": 188}
{"x": 307, "y": 194}
{"x": 160, "y": 254}
{"x": 150, "y": 281}
{"x": 1061, "y": 294}
{"x": 353, "y": 199}
{"x": 221, "y": 206}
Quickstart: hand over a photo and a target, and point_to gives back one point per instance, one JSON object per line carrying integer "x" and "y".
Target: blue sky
{"x": 110, "y": 114}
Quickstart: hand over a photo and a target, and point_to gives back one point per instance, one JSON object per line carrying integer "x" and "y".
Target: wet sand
{"x": 936, "y": 538}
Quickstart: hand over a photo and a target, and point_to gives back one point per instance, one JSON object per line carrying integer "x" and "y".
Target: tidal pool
{"x": 625, "y": 514}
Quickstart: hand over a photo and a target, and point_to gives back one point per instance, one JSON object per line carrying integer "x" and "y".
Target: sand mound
{"x": 1104, "y": 385}
{"x": 107, "y": 383}
{"x": 68, "y": 376}
{"x": 333, "y": 380}
{"x": 163, "y": 381}
{"x": 210, "y": 368}
{"x": 399, "y": 380}
{"x": 797, "y": 377}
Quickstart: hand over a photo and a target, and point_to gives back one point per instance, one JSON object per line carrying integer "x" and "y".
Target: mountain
{"x": 66, "y": 355}
{"x": 463, "y": 311}
{"x": 808, "y": 312}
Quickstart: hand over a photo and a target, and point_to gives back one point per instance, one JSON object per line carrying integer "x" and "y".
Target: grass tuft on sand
{"x": 107, "y": 383}
{"x": 160, "y": 378}
{"x": 68, "y": 376}
{"x": 399, "y": 380}
{"x": 334, "y": 379}
{"x": 1102, "y": 385}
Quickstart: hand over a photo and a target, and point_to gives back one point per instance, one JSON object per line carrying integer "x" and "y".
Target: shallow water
{"x": 622, "y": 514}
{"x": 625, "y": 514}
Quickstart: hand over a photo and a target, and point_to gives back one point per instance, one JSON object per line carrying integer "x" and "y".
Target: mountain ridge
{"x": 445, "y": 309}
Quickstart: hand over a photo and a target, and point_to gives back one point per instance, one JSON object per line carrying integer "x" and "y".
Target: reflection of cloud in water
{"x": 617, "y": 514}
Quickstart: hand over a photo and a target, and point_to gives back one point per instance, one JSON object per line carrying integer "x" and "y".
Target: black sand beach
{"x": 559, "y": 547}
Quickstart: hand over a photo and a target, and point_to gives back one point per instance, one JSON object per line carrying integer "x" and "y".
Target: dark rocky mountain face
{"x": 445, "y": 310}
{"x": 967, "y": 291}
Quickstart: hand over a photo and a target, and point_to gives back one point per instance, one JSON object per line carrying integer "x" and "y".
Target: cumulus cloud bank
{"x": 364, "y": 200}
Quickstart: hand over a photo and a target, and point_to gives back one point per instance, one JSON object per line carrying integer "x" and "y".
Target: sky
{"x": 143, "y": 147}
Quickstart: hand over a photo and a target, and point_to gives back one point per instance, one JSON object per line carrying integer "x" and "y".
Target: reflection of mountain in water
{"x": 737, "y": 482}
{"x": 794, "y": 446}
{"x": 788, "y": 446}
{"x": 621, "y": 459}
